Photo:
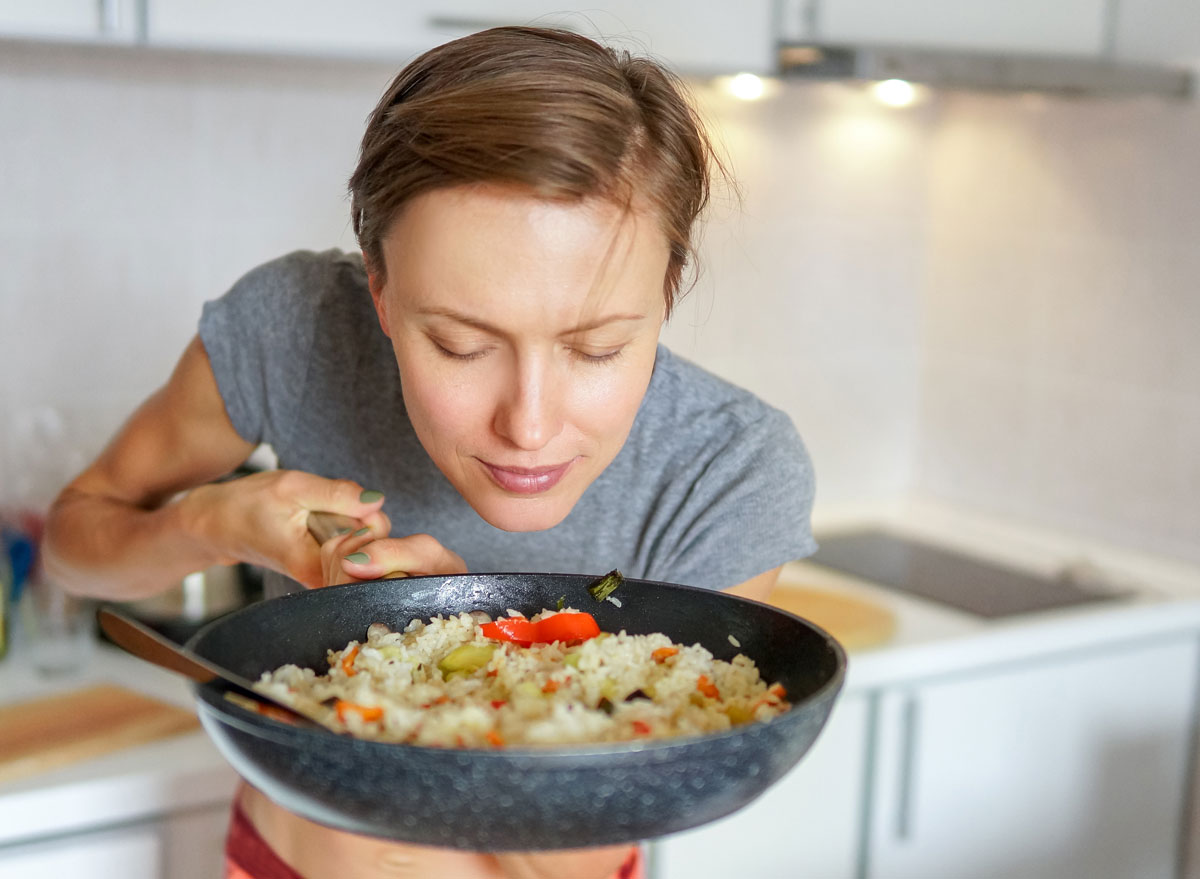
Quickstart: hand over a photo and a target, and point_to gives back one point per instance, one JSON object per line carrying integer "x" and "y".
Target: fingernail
{"x": 358, "y": 558}
{"x": 370, "y": 496}
{"x": 342, "y": 531}
{"x": 361, "y": 532}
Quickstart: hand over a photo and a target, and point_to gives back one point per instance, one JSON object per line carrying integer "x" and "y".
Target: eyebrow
{"x": 488, "y": 328}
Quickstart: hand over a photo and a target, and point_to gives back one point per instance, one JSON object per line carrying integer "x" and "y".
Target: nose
{"x": 529, "y": 412}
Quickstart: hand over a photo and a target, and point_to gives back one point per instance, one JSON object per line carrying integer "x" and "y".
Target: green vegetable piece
{"x": 606, "y": 585}
{"x": 606, "y": 705}
{"x": 571, "y": 658}
{"x": 561, "y": 603}
{"x": 467, "y": 658}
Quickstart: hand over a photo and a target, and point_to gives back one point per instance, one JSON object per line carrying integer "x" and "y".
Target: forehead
{"x": 500, "y": 249}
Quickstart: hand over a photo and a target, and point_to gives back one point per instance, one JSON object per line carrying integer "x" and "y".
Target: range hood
{"x": 983, "y": 70}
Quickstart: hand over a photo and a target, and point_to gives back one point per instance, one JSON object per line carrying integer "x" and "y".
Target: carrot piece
{"x": 366, "y": 712}
{"x": 494, "y": 738}
{"x": 348, "y": 661}
{"x": 662, "y": 654}
{"x": 707, "y": 687}
{"x": 550, "y": 686}
{"x": 641, "y": 728}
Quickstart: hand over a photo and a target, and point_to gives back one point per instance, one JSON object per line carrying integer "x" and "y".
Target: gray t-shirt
{"x": 712, "y": 487}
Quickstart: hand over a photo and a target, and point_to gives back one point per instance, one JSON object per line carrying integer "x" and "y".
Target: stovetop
{"x": 949, "y": 577}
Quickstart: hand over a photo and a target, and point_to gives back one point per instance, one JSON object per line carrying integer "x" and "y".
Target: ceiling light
{"x": 895, "y": 92}
{"x": 746, "y": 86}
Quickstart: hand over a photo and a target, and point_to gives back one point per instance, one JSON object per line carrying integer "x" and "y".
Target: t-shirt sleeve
{"x": 243, "y": 332}
{"x": 749, "y": 511}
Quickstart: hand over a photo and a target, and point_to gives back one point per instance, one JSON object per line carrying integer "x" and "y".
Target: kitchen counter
{"x": 933, "y": 639}
{"x": 174, "y": 774}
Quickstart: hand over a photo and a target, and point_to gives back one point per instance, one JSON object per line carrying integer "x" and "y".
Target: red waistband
{"x": 247, "y": 855}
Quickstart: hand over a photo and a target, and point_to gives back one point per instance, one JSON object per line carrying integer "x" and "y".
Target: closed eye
{"x": 455, "y": 355}
{"x": 606, "y": 357}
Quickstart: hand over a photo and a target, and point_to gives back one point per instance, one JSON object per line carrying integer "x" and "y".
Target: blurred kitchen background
{"x": 973, "y": 289}
{"x": 984, "y": 297}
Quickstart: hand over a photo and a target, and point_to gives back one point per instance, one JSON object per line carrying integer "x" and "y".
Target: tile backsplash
{"x": 1060, "y": 375}
{"x": 987, "y": 300}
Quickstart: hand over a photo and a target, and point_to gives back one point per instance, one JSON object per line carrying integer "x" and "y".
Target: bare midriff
{"x": 319, "y": 852}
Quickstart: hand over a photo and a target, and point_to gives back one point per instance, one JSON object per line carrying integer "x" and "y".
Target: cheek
{"x": 604, "y": 404}
{"x": 443, "y": 410}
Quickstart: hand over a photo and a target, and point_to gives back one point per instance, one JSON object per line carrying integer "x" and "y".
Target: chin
{"x": 523, "y": 514}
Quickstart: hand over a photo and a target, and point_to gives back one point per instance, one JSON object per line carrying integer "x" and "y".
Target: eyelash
{"x": 579, "y": 355}
{"x": 454, "y": 355}
{"x": 598, "y": 358}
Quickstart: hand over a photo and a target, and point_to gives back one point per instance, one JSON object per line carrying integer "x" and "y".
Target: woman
{"x": 484, "y": 382}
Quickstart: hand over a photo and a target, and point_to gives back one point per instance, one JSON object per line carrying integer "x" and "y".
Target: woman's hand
{"x": 357, "y": 556}
{"x": 262, "y": 519}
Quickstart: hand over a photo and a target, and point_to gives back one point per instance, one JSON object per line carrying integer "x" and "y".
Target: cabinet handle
{"x": 797, "y": 20}
{"x": 110, "y": 16}
{"x": 910, "y": 728}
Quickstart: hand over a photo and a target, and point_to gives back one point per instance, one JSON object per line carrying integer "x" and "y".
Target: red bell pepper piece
{"x": 559, "y": 627}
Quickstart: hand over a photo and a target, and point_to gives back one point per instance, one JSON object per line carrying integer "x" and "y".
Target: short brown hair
{"x": 541, "y": 108}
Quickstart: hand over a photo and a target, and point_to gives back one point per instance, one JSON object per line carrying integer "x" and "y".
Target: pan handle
{"x": 322, "y": 526}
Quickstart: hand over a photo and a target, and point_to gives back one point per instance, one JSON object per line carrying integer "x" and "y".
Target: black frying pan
{"x": 515, "y": 798}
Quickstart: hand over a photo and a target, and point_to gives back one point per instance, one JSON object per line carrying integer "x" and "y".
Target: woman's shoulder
{"x": 303, "y": 273}
{"x": 293, "y": 294}
{"x": 688, "y": 396}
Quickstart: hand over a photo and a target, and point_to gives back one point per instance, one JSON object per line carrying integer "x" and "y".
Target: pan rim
{"x": 261, "y": 725}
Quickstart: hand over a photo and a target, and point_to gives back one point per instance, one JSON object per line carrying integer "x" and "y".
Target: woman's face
{"x": 525, "y": 331}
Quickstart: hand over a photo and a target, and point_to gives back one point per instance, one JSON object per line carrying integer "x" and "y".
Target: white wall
{"x": 138, "y": 185}
{"x": 1060, "y": 372}
{"x": 985, "y": 300}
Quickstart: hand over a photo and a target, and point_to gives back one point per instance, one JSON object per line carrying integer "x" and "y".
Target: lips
{"x": 527, "y": 480}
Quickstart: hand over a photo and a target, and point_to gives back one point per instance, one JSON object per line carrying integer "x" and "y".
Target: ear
{"x": 375, "y": 282}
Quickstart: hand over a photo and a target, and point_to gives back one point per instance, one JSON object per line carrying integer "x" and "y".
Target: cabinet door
{"x": 1158, "y": 31}
{"x": 806, "y": 825}
{"x": 69, "y": 19}
{"x": 382, "y": 29}
{"x": 694, "y": 36}
{"x": 129, "y": 853}
{"x": 1070, "y": 768}
{"x": 1027, "y": 26}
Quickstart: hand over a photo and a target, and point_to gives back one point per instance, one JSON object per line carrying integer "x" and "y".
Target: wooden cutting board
{"x": 856, "y": 623}
{"x": 43, "y": 734}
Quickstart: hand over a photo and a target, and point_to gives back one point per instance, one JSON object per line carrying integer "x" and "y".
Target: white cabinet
{"x": 184, "y": 845}
{"x": 358, "y": 28}
{"x": 706, "y": 36}
{"x": 108, "y": 20}
{"x": 695, "y": 36}
{"x": 1162, "y": 31}
{"x": 808, "y": 824}
{"x": 1056, "y": 767}
{"x": 1075, "y": 27}
{"x": 129, "y": 853}
{"x": 1066, "y": 767}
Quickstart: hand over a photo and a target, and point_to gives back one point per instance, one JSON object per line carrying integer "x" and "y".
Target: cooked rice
{"x": 606, "y": 689}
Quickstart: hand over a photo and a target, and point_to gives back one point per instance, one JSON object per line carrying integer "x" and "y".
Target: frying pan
{"x": 515, "y": 798}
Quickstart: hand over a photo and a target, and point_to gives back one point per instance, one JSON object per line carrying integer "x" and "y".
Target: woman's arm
{"x": 121, "y": 529}
{"x": 758, "y": 587}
